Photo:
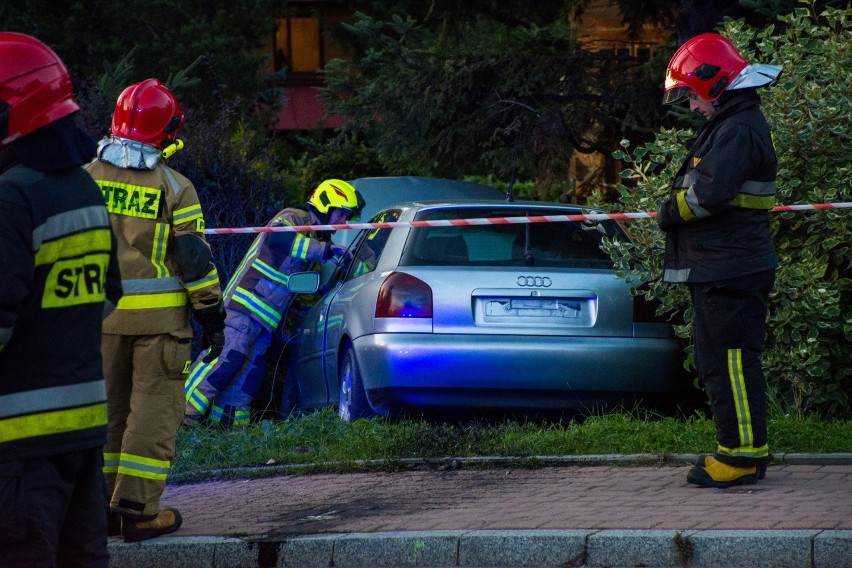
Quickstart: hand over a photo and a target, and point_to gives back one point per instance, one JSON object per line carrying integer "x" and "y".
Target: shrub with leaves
{"x": 239, "y": 180}
{"x": 807, "y": 355}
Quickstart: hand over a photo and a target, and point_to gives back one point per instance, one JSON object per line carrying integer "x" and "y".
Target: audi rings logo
{"x": 534, "y": 281}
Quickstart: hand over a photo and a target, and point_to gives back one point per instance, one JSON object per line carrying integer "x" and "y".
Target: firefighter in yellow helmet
{"x": 59, "y": 278}
{"x": 257, "y": 300}
{"x": 167, "y": 273}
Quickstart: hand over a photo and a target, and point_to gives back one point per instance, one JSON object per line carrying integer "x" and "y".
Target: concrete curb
{"x": 500, "y": 549}
{"x": 840, "y": 458}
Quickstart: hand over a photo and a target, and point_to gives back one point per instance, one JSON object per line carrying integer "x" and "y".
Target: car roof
{"x": 568, "y": 208}
{"x": 383, "y": 192}
{"x": 417, "y": 192}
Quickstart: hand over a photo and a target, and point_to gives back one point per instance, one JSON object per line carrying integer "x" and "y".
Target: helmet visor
{"x": 675, "y": 95}
{"x": 350, "y": 213}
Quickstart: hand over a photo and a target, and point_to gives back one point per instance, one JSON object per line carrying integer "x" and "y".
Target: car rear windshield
{"x": 564, "y": 244}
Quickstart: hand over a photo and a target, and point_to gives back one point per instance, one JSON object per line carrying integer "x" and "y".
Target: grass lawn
{"x": 322, "y": 442}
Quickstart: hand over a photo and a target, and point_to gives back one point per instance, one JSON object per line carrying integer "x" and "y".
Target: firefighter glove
{"x": 215, "y": 342}
{"x": 663, "y": 217}
{"x": 212, "y": 322}
{"x": 339, "y": 253}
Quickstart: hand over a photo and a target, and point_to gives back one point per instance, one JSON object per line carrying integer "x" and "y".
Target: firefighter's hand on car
{"x": 337, "y": 254}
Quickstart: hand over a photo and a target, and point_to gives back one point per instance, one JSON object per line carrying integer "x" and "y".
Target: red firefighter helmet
{"x": 35, "y": 88}
{"x": 707, "y": 64}
{"x": 147, "y": 112}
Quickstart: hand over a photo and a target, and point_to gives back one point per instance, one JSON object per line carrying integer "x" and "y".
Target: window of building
{"x": 298, "y": 45}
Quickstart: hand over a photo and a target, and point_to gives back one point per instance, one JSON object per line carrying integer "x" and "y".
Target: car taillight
{"x": 402, "y": 295}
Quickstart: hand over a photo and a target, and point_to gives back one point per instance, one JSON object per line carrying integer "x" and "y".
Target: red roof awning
{"x": 302, "y": 110}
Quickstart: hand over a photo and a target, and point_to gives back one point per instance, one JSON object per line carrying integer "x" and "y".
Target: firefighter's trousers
{"x": 144, "y": 377}
{"x": 225, "y": 387}
{"x": 53, "y": 511}
{"x": 729, "y": 331}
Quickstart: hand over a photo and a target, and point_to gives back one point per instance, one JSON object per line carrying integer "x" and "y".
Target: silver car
{"x": 494, "y": 316}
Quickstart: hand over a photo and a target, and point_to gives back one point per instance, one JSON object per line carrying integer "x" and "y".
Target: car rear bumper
{"x": 513, "y": 371}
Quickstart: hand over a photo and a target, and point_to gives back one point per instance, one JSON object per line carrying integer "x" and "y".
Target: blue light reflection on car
{"x": 410, "y": 310}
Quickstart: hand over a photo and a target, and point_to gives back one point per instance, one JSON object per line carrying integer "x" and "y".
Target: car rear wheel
{"x": 352, "y": 403}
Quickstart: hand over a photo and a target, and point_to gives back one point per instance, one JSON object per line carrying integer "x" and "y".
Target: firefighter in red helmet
{"x": 710, "y": 64}
{"x": 718, "y": 243}
{"x": 168, "y": 274}
{"x": 59, "y": 279}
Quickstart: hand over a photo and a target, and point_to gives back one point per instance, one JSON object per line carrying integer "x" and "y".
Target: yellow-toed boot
{"x": 702, "y": 460}
{"x": 135, "y": 529}
{"x": 717, "y": 474}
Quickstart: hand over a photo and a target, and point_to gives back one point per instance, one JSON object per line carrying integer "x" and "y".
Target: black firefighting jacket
{"x": 716, "y": 220}
{"x": 58, "y": 270}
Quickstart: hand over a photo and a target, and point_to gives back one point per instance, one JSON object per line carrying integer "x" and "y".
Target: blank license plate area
{"x": 559, "y": 311}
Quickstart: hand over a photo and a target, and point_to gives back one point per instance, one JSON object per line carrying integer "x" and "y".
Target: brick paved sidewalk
{"x": 563, "y": 497}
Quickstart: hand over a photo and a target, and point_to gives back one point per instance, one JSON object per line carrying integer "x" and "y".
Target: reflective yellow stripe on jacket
{"x": 208, "y": 280}
{"x": 300, "y": 247}
{"x": 149, "y": 293}
{"x": 187, "y": 214}
{"x": 159, "y": 248}
{"x": 76, "y": 246}
{"x": 751, "y": 195}
{"x": 53, "y": 410}
{"x": 755, "y": 195}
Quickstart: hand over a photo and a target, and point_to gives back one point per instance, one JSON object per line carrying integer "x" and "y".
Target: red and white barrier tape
{"x": 488, "y": 221}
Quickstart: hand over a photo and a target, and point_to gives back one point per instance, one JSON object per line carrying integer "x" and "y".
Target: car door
{"x": 310, "y": 341}
{"x": 349, "y": 294}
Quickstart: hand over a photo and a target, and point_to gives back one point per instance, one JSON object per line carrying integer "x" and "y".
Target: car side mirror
{"x": 304, "y": 282}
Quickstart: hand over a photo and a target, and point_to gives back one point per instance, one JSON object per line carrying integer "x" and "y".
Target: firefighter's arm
{"x": 18, "y": 262}
{"x": 113, "y": 288}
{"x": 722, "y": 171}
{"x": 201, "y": 280}
{"x": 711, "y": 181}
{"x": 664, "y": 219}
{"x": 198, "y": 272}
{"x": 192, "y": 252}
{"x": 299, "y": 245}
{"x": 311, "y": 249}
